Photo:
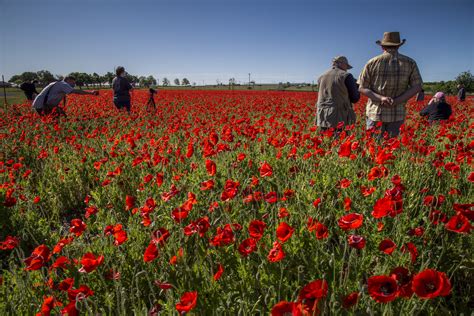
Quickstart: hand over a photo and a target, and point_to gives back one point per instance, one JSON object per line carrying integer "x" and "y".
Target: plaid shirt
{"x": 390, "y": 75}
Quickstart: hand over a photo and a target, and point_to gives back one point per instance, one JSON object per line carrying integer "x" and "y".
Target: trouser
{"x": 151, "y": 101}
{"x": 392, "y": 128}
{"x": 121, "y": 104}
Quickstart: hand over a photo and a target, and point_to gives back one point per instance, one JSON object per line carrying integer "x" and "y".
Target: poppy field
{"x": 233, "y": 203}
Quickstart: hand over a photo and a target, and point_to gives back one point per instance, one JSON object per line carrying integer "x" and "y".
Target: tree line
{"x": 44, "y": 77}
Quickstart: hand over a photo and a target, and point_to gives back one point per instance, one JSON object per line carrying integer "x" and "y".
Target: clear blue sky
{"x": 208, "y": 40}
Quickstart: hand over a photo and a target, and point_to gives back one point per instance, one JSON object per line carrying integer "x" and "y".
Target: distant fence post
{"x": 4, "y": 93}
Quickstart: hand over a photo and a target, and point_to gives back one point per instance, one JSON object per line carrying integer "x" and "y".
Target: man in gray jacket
{"x": 337, "y": 91}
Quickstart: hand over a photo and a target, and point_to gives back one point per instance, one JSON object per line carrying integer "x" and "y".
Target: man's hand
{"x": 386, "y": 101}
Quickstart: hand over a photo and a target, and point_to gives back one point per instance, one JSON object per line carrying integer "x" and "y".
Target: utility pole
{"x": 249, "y": 79}
{"x": 4, "y": 93}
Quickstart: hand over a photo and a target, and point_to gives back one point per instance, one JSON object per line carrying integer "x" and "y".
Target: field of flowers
{"x": 232, "y": 203}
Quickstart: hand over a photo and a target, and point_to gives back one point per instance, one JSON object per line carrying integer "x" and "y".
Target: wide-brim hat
{"x": 342, "y": 59}
{"x": 391, "y": 39}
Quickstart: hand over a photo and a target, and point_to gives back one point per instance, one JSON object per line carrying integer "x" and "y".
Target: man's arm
{"x": 426, "y": 110}
{"x": 76, "y": 91}
{"x": 407, "y": 95}
{"x": 352, "y": 89}
{"x": 376, "y": 97}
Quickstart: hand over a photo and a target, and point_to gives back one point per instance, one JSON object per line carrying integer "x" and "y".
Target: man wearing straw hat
{"x": 389, "y": 81}
{"x": 337, "y": 91}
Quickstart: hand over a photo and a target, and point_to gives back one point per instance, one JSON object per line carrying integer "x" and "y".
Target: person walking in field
{"x": 389, "y": 81}
{"x": 437, "y": 109}
{"x": 461, "y": 93}
{"x": 29, "y": 88}
{"x": 337, "y": 91}
{"x": 151, "y": 99}
{"x": 48, "y": 100}
{"x": 121, "y": 88}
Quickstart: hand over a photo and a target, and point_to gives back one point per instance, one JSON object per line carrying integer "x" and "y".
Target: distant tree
{"x": 26, "y": 76}
{"x": 45, "y": 77}
{"x": 176, "y": 81}
{"x": 151, "y": 80}
{"x": 231, "y": 83}
{"x": 166, "y": 82}
{"x": 96, "y": 79}
{"x": 142, "y": 81}
{"x": 109, "y": 77}
{"x": 185, "y": 82}
{"x": 467, "y": 79}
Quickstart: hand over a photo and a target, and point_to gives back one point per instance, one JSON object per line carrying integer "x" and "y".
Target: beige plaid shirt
{"x": 390, "y": 75}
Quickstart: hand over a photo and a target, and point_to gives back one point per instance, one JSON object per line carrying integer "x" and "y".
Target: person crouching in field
{"x": 151, "y": 99}
{"x": 437, "y": 109}
{"x": 389, "y": 81}
{"x": 337, "y": 91}
{"x": 48, "y": 100}
{"x": 121, "y": 88}
{"x": 29, "y": 88}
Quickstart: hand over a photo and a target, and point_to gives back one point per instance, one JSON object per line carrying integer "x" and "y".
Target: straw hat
{"x": 391, "y": 39}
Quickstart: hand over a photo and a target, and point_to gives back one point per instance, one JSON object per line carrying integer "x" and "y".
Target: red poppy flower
{"x": 283, "y": 212}
{"x": 256, "y": 229}
{"x": 344, "y": 183}
{"x": 48, "y": 304}
{"x": 404, "y": 281}
{"x": 207, "y": 185}
{"x": 387, "y": 246}
{"x": 60, "y": 263}
{"x": 230, "y": 190}
{"x": 345, "y": 149}
{"x": 151, "y": 252}
{"x": 265, "y": 170}
{"x": 224, "y": 236}
{"x": 430, "y": 283}
{"x": 276, "y": 253}
{"x": 38, "y": 258}
{"x": 411, "y": 248}
{"x": 347, "y": 203}
{"x": 374, "y": 173}
{"x": 247, "y": 246}
{"x": 210, "y": 167}
{"x": 187, "y": 302}
{"x": 62, "y": 243}
{"x": 91, "y": 210}
{"x": 311, "y": 293}
{"x": 350, "y": 221}
{"x": 90, "y": 262}
{"x": 219, "y": 272}
{"x": 383, "y": 207}
{"x": 350, "y": 300}
{"x": 271, "y": 197}
{"x": 284, "y": 308}
{"x": 79, "y": 294}
{"x": 163, "y": 285}
{"x": 179, "y": 214}
{"x": 356, "y": 241}
{"x": 284, "y": 232}
{"x": 77, "y": 227}
{"x": 160, "y": 236}
{"x": 316, "y": 202}
{"x": 382, "y": 288}
{"x": 459, "y": 224}
{"x": 9, "y": 243}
